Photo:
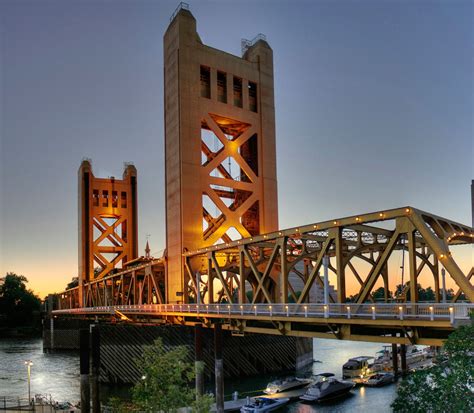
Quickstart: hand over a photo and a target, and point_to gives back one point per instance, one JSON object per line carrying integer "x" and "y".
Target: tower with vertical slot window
{"x": 219, "y": 145}
{"x": 107, "y": 222}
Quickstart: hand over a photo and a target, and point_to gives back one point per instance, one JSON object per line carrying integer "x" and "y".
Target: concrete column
{"x": 219, "y": 368}
{"x": 198, "y": 363}
{"x": 84, "y": 370}
{"x": 51, "y": 331}
{"x": 95, "y": 370}
{"x": 395, "y": 359}
{"x": 403, "y": 357}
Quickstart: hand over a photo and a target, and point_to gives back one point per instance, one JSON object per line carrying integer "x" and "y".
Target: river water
{"x": 57, "y": 374}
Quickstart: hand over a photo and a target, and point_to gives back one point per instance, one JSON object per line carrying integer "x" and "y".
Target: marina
{"x": 57, "y": 374}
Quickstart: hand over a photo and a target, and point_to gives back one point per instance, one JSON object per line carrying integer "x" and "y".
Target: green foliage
{"x": 379, "y": 294}
{"x": 18, "y": 305}
{"x": 202, "y": 404}
{"x": 446, "y": 387}
{"x": 166, "y": 382}
{"x": 424, "y": 294}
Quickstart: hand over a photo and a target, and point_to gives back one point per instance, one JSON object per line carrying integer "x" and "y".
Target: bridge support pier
{"x": 84, "y": 370}
{"x": 219, "y": 368}
{"x": 198, "y": 363}
{"x": 395, "y": 359}
{"x": 95, "y": 364}
{"x": 403, "y": 357}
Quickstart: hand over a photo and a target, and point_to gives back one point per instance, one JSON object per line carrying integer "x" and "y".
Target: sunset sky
{"x": 374, "y": 110}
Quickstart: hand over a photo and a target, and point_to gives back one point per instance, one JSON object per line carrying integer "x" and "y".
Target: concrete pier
{"x": 95, "y": 368}
{"x": 403, "y": 359}
{"x": 219, "y": 368}
{"x": 395, "y": 359}
{"x": 84, "y": 371}
{"x": 198, "y": 363}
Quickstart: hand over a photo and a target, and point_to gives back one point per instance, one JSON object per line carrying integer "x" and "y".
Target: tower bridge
{"x": 227, "y": 264}
{"x": 218, "y": 280}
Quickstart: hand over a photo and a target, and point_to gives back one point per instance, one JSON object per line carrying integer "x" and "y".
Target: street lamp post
{"x": 28, "y": 364}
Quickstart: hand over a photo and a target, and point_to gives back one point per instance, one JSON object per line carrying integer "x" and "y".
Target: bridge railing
{"x": 405, "y": 311}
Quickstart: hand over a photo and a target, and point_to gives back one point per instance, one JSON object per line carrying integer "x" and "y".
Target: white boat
{"x": 264, "y": 404}
{"x": 357, "y": 367}
{"x": 327, "y": 388}
{"x": 288, "y": 383}
{"x": 379, "y": 379}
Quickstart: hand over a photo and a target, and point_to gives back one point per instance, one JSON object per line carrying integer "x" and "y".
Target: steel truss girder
{"x": 265, "y": 261}
{"x": 143, "y": 284}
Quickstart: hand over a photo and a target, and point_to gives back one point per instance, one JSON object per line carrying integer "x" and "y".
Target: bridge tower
{"x": 107, "y": 222}
{"x": 219, "y": 144}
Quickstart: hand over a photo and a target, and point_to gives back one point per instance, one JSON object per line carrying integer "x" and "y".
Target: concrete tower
{"x": 107, "y": 222}
{"x": 219, "y": 144}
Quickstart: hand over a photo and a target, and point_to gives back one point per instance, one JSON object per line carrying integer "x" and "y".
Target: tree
{"x": 166, "y": 380}
{"x": 379, "y": 294}
{"x": 18, "y": 305}
{"x": 445, "y": 387}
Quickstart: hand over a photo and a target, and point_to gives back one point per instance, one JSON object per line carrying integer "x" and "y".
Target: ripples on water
{"x": 58, "y": 374}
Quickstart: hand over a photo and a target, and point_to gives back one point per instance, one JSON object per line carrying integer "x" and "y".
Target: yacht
{"x": 357, "y": 367}
{"x": 379, "y": 379}
{"x": 327, "y": 388}
{"x": 264, "y": 404}
{"x": 288, "y": 383}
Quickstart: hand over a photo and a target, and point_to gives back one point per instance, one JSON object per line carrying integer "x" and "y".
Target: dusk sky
{"x": 374, "y": 110}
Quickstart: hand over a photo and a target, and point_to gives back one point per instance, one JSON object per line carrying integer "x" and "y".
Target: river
{"x": 57, "y": 374}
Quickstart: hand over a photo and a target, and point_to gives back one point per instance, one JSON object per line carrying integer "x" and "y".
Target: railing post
{"x": 241, "y": 310}
{"x": 306, "y": 311}
{"x": 431, "y": 313}
{"x": 348, "y": 308}
{"x": 451, "y": 315}
{"x": 326, "y": 311}
{"x": 255, "y": 308}
{"x": 287, "y": 311}
{"x": 373, "y": 313}
{"x": 271, "y": 313}
{"x": 400, "y": 311}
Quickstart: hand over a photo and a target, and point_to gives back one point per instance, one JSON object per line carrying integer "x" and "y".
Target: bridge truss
{"x": 279, "y": 269}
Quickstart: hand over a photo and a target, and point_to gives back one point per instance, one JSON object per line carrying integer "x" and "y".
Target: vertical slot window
{"x": 105, "y": 198}
{"x": 238, "y": 92}
{"x": 95, "y": 197}
{"x": 253, "y": 96}
{"x": 114, "y": 199}
{"x": 205, "y": 82}
{"x": 123, "y": 200}
{"x": 222, "y": 87}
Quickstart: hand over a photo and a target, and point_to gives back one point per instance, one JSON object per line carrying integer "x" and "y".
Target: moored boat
{"x": 357, "y": 367}
{"x": 288, "y": 383}
{"x": 264, "y": 404}
{"x": 327, "y": 388}
{"x": 379, "y": 379}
